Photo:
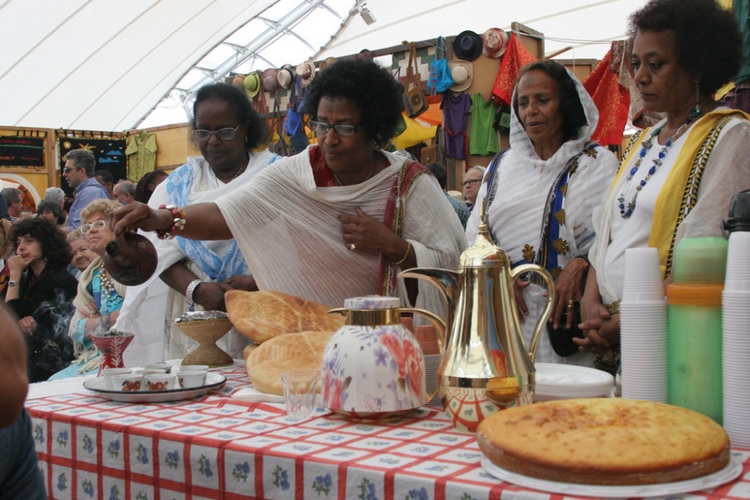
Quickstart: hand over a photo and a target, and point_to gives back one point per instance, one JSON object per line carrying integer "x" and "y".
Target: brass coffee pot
{"x": 486, "y": 365}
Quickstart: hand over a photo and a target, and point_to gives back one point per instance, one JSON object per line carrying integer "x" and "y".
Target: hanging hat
{"x": 306, "y": 72}
{"x": 239, "y": 82}
{"x": 252, "y": 84}
{"x": 330, "y": 61}
{"x": 467, "y": 45}
{"x": 286, "y": 76}
{"x": 365, "y": 54}
{"x": 494, "y": 42}
{"x": 462, "y": 73}
{"x": 270, "y": 80}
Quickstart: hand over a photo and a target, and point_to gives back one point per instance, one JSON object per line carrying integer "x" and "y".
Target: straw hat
{"x": 462, "y": 73}
{"x": 494, "y": 42}
{"x": 270, "y": 80}
{"x": 252, "y": 84}
{"x": 306, "y": 72}
{"x": 286, "y": 76}
{"x": 330, "y": 61}
{"x": 239, "y": 82}
{"x": 467, "y": 45}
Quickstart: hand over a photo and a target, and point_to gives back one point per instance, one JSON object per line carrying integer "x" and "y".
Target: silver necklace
{"x": 372, "y": 168}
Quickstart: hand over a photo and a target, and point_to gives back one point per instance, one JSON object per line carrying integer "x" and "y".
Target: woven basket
{"x": 206, "y": 333}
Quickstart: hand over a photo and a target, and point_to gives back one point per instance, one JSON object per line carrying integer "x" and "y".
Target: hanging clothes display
{"x": 611, "y": 99}
{"x": 141, "y": 153}
{"x": 456, "y": 109}
{"x": 516, "y": 57}
{"x": 483, "y": 138}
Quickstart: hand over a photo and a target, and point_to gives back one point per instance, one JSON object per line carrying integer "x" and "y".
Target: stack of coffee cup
{"x": 643, "y": 328}
{"x": 735, "y": 304}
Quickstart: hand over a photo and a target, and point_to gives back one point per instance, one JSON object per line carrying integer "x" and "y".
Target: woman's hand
{"x": 569, "y": 288}
{"x": 518, "y": 286}
{"x": 241, "y": 282}
{"x": 28, "y": 325}
{"x": 90, "y": 311}
{"x": 210, "y": 295}
{"x": 16, "y": 265}
{"x": 138, "y": 215}
{"x": 366, "y": 233}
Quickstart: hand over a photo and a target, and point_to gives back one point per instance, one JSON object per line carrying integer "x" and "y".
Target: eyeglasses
{"x": 342, "y": 130}
{"x": 470, "y": 181}
{"x": 224, "y": 134}
{"x": 67, "y": 170}
{"x": 98, "y": 225}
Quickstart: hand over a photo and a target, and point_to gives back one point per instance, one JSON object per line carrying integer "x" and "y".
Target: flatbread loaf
{"x": 610, "y": 441}
{"x": 261, "y": 316}
{"x": 293, "y": 350}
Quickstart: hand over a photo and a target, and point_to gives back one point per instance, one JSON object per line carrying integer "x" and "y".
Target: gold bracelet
{"x": 408, "y": 248}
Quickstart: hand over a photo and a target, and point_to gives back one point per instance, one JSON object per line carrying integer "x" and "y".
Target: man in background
{"x": 471, "y": 184}
{"x": 19, "y": 474}
{"x": 79, "y": 173}
{"x": 462, "y": 211}
{"x": 14, "y": 200}
{"x": 124, "y": 192}
{"x": 55, "y": 195}
{"x": 105, "y": 178}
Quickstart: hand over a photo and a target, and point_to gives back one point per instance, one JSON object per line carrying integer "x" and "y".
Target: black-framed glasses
{"x": 470, "y": 181}
{"x": 224, "y": 134}
{"x": 343, "y": 130}
{"x": 98, "y": 225}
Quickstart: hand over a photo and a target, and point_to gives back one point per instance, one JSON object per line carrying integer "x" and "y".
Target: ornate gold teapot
{"x": 486, "y": 365}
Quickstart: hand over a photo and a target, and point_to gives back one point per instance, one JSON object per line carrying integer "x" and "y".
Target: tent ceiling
{"x": 109, "y": 65}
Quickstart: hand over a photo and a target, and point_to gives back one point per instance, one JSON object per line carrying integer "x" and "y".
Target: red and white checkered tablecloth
{"x": 216, "y": 447}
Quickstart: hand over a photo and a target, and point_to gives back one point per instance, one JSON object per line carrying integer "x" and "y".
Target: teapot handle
{"x": 439, "y": 325}
{"x": 540, "y": 324}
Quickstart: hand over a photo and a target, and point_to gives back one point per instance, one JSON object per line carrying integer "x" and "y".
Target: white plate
{"x": 213, "y": 381}
{"x": 731, "y": 471}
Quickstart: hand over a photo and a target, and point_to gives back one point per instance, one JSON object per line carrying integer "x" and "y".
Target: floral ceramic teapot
{"x": 373, "y": 367}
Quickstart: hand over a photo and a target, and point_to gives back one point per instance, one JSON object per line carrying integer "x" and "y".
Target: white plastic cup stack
{"x": 643, "y": 328}
{"x": 735, "y": 309}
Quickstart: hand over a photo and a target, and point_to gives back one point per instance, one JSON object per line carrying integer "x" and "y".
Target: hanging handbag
{"x": 294, "y": 125}
{"x": 440, "y": 78}
{"x": 413, "y": 99}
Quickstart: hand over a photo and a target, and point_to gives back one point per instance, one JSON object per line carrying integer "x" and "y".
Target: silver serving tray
{"x": 213, "y": 381}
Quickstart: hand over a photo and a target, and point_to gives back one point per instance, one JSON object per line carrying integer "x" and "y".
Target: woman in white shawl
{"x": 542, "y": 194}
{"x": 226, "y": 130}
{"x": 341, "y": 218}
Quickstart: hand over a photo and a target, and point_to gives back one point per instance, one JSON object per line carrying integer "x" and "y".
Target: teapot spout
{"x": 444, "y": 279}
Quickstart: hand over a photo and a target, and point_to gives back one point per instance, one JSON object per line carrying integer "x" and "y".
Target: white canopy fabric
{"x": 116, "y": 65}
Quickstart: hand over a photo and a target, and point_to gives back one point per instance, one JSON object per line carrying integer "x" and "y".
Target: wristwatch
{"x": 13, "y": 283}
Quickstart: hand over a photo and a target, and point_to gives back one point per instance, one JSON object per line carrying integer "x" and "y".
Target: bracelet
{"x": 191, "y": 289}
{"x": 408, "y": 248}
{"x": 177, "y": 225}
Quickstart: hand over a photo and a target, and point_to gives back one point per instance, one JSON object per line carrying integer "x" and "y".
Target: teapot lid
{"x": 372, "y": 302}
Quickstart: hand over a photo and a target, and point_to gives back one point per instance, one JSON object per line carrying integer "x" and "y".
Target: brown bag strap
{"x": 412, "y": 70}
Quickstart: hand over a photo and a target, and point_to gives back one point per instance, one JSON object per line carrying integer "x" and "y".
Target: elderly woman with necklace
{"x": 99, "y": 297}
{"x": 677, "y": 177}
{"x": 339, "y": 219}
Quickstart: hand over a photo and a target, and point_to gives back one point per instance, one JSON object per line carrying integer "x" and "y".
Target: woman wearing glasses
{"x": 542, "y": 194}
{"x": 40, "y": 292}
{"x": 99, "y": 298}
{"x": 341, "y": 218}
{"x": 227, "y": 131}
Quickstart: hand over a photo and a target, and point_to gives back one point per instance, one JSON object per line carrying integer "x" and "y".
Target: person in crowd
{"x": 14, "y": 200}
{"x": 82, "y": 256}
{"x": 462, "y": 211}
{"x": 542, "y": 193}
{"x": 470, "y": 184}
{"x": 20, "y": 476}
{"x": 678, "y": 176}
{"x": 55, "y": 195}
{"x": 106, "y": 179}
{"x": 4, "y": 209}
{"x": 26, "y": 213}
{"x": 227, "y": 131}
{"x": 124, "y": 191}
{"x": 146, "y": 185}
{"x": 99, "y": 297}
{"x": 79, "y": 174}
{"x": 40, "y": 292}
{"x": 52, "y": 212}
{"x": 6, "y": 249}
{"x": 339, "y": 219}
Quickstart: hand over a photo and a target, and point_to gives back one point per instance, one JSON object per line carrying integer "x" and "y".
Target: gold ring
{"x": 570, "y": 304}
{"x": 351, "y": 246}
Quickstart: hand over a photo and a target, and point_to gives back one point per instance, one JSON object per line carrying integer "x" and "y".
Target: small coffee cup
{"x": 158, "y": 382}
{"x": 192, "y": 368}
{"x": 162, "y": 367}
{"x": 191, "y": 378}
{"x": 108, "y": 373}
{"x": 127, "y": 382}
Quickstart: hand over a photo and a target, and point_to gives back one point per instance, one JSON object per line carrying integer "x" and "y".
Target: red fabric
{"x": 322, "y": 173}
{"x": 611, "y": 99}
{"x": 516, "y": 57}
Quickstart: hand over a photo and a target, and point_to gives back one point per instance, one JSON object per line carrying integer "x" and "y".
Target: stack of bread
{"x": 287, "y": 332}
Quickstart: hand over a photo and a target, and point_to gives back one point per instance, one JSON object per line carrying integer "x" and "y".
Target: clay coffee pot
{"x": 130, "y": 258}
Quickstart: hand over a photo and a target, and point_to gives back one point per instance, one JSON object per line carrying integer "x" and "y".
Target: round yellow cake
{"x": 604, "y": 441}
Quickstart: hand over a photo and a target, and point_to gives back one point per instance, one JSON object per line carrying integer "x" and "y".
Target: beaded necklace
{"x": 626, "y": 212}
{"x": 107, "y": 283}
